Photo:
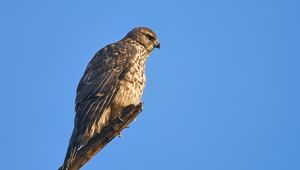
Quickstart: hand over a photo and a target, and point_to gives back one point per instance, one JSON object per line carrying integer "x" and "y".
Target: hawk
{"x": 114, "y": 79}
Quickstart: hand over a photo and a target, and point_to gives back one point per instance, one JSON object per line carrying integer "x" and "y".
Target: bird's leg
{"x": 114, "y": 127}
{"x": 121, "y": 120}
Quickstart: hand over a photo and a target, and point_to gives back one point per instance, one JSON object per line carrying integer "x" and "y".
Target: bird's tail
{"x": 71, "y": 152}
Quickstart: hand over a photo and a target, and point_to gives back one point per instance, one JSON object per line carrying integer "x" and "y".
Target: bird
{"x": 113, "y": 79}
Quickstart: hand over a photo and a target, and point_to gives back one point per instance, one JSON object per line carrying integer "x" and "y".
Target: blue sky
{"x": 222, "y": 92}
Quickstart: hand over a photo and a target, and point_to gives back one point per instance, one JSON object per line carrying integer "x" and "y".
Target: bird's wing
{"x": 99, "y": 83}
{"x": 96, "y": 91}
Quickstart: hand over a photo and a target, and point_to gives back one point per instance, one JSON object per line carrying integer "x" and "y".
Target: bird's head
{"x": 144, "y": 36}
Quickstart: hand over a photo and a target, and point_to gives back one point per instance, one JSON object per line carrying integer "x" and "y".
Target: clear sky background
{"x": 222, "y": 92}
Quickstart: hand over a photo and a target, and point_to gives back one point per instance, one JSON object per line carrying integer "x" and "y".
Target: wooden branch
{"x": 100, "y": 140}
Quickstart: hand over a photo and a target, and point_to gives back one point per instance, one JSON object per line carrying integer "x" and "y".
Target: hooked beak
{"x": 157, "y": 45}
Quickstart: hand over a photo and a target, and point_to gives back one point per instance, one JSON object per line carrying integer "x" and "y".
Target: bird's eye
{"x": 150, "y": 37}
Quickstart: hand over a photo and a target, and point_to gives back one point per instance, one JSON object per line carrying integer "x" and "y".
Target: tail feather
{"x": 73, "y": 148}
